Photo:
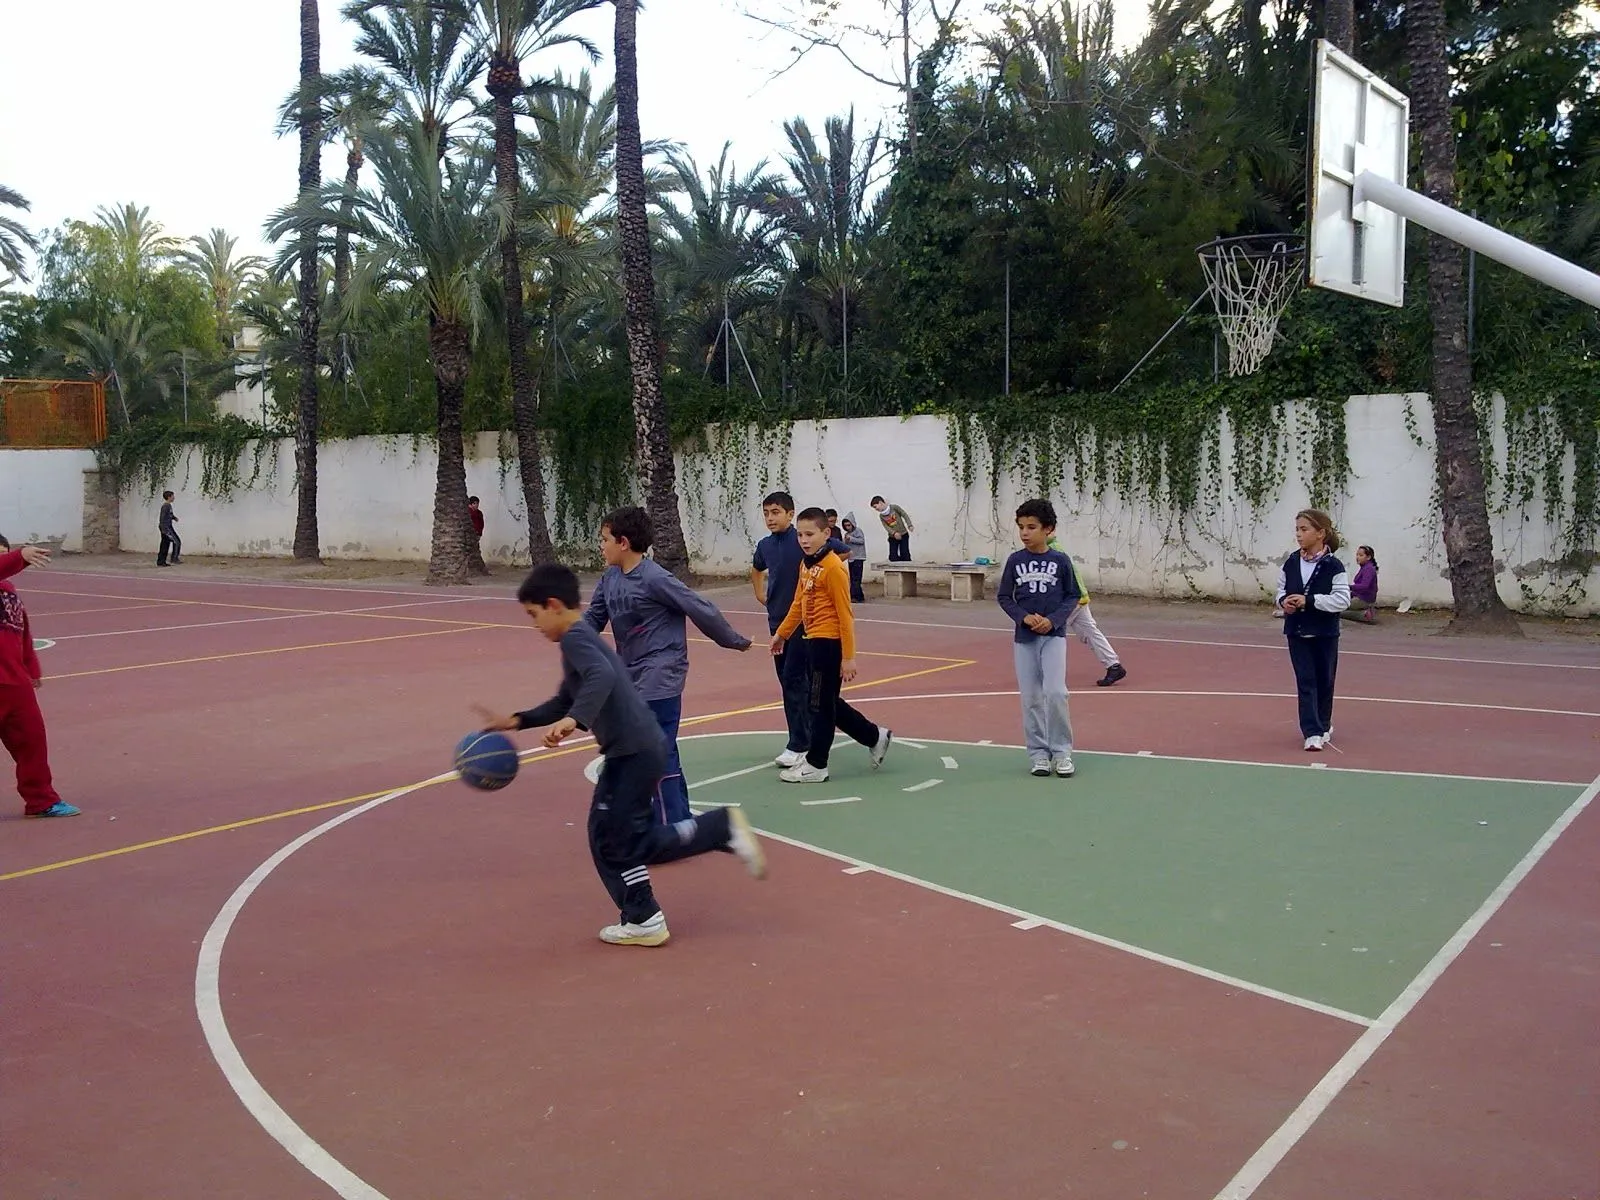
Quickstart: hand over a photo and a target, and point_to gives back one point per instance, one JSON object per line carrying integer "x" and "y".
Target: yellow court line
{"x": 536, "y": 756}
{"x": 78, "y": 612}
{"x": 179, "y": 662}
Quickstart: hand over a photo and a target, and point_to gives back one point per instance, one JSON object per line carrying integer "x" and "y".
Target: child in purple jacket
{"x": 1364, "y": 588}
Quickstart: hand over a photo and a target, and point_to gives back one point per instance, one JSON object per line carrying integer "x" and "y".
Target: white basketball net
{"x": 1251, "y": 280}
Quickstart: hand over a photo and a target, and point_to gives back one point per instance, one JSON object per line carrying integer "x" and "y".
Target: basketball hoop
{"x": 1251, "y": 279}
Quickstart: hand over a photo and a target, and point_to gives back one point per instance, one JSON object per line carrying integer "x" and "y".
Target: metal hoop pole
{"x": 1163, "y": 337}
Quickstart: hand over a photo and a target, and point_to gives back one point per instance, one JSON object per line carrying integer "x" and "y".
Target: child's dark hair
{"x": 166, "y": 495}
{"x": 5, "y": 542}
{"x": 632, "y": 525}
{"x": 547, "y": 582}
{"x": 473, "y": 500}
{"x": 815, "y": 515}
{"x": 877, "y": 500}
{"x": 1371, "y": 557}
{"x": 1041, "y": 511}
{"x": 831, "y": 513}
{"x": 782, "y": 499}
{"x": 1321, "y": 521}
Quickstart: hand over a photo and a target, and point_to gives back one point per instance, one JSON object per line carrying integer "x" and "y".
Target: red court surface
{"x": 413, "y": 1004}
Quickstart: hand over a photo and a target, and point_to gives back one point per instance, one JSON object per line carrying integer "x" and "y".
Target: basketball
{"x": 486, "y": 761}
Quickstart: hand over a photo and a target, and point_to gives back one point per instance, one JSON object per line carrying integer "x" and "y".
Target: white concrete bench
{"x": 966, "y": 580}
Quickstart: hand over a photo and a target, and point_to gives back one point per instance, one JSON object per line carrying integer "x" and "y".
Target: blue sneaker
{"x": 59, "y": 809}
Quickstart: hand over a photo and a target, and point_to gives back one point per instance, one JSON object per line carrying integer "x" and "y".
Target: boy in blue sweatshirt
{"x": 646, "y": 606}
{"x": 595, "y": 695}
{"x": 1039, "y": 591}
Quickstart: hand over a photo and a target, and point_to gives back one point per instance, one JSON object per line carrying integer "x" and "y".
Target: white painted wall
{"x": 377, "y": 502}
{"x": 41, "y": 495}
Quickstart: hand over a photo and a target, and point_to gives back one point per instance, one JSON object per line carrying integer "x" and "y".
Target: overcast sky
{"x": 171, "y": 103}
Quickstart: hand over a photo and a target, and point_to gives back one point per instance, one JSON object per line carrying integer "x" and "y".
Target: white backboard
{"x": 1358, "y": 123}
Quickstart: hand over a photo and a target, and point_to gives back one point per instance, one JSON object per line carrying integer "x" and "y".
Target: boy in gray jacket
{"x": 646, "y": 607}
{"x": 856, "y": 542}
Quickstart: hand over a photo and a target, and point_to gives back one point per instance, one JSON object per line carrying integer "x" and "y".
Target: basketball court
{"x": 284, "y": 954}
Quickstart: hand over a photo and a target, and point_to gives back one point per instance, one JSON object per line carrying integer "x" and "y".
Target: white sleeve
{"x": 1283, "y": 587}
{"x": 1338, "y": 597}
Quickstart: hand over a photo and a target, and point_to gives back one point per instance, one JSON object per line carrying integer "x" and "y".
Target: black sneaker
{"x": 1113, "y": 673}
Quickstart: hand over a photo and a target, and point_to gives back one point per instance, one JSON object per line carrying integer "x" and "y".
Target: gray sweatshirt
{"x": 595, "y": 693}
{"x": 646, "y": 608}
{"x": 855, "y": 539}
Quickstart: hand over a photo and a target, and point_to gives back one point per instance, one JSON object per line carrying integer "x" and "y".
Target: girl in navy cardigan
{"x": 1313, "y": 589}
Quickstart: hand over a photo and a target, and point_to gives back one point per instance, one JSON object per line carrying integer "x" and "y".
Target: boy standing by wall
{"x": 856, "y": 541}
{"x": 169, "y": 535}
{"x": 821, "y": 606}
{"x": 475, "y": 513}
{"x": 21, "y": 721}
{"x": 897, "y": 524}
{"x": 646, "y": 606}
{"x": 596, "y": 695}
{"x": 774, "y": 576}
{"x": 1039, "y": 591}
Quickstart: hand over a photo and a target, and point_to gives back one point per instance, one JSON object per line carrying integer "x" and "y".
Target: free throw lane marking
{"x": 1265, "y": 1160}
{"x": 856, "y": 870}
{"x": 840, "y": 800}
{"x": 1030, "y": 923}
{"x": 950, "y": 764}
{"x": 923, "y": 786}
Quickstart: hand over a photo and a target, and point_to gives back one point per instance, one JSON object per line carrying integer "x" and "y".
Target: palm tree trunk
{"x": 1339, "y": 24}
{"x": 448, "y": 348}
{"x": 505, "y": 81}
{"x": 307, "y": 542}
{"x": 652, "y": 431}
{"x": 1463, "y": 499}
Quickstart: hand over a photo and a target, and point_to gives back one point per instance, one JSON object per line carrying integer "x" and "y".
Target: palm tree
{"x": 508, "y": 31}
{"x": 225, "y": 277}
{"x": 1463, "y": 498}
{"x": 430, "y": 227}
{"x": 140, "y": 247}
{"x": 307, "y": 540}
{"x": 14, "y": 236}
{"x": 657, "y": 470}
{"x": 127, "y": 352}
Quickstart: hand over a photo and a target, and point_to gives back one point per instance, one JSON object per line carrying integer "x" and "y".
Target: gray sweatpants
{"x": 1081, "y": 622}
{"x": 1042, "y": 681}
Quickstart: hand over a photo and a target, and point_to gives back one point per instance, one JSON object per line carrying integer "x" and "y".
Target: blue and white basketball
{"x": 486, "y": 761}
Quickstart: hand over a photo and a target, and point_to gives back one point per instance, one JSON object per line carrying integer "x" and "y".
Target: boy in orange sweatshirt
{"x": 21, "y": 722}
{"x": 822, "y": 606}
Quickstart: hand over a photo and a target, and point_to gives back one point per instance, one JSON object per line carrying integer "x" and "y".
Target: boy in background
{"x": 897, "y": 524}
{"x": 21, "y": 720}
{"x": 856, "y": 542}
{"x": 1087, "y": 629}
{"x": 595, "y": 695}
{"x": 821, "y": 607}
{"x": 646, "y": 606}
{"x": 774, "y": 576}
{"x": 169, "y": 535}
{"x": 1039, "y": 591}
{"x": 475, "y": 512}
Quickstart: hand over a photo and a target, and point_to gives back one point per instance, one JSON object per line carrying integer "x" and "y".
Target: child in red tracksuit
{"x": 21, "y": 722}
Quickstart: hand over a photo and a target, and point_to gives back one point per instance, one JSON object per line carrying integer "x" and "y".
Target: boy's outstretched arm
{"x": 548, "y": 713}
{"x": 671, "y": 592}
{"x": 14, "y": 561}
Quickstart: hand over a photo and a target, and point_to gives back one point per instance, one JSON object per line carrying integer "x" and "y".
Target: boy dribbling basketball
{"x": 595, "y": 695}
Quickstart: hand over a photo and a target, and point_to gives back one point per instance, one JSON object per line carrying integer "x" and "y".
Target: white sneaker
{"x": 1314, "y": 742}
{"x": 1062, "y": 765}
{"x": 804, "y": 772}
{"x": 592, "y": 769}
{"x": 652, "y": 932}
{"x": 1040, "y": 768}
{"x": 789, "y": 758}
{"x": 885, "y": 737}
{"x": 1327, "y": 738}
{"x": 742, "y": 841}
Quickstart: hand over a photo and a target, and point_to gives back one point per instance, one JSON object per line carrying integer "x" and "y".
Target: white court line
{"x": 899, "y": 741}
{"x": 1273, "y": 1151}
{"x": 1276, "y": 646}
{"x": 689, "y": 787}
{"x": 260, "y": 584}
{"x": 80, "y": 612}
{"x": 1225, "y": 762}
{"x": 950, "y": 764}
{"x": 856, "y": 870}
{"x": 923, "y": 786}
{"x": 1028, "y": 924}
{"x": 817, "y": 803}
{"x": 298, "y": 616}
